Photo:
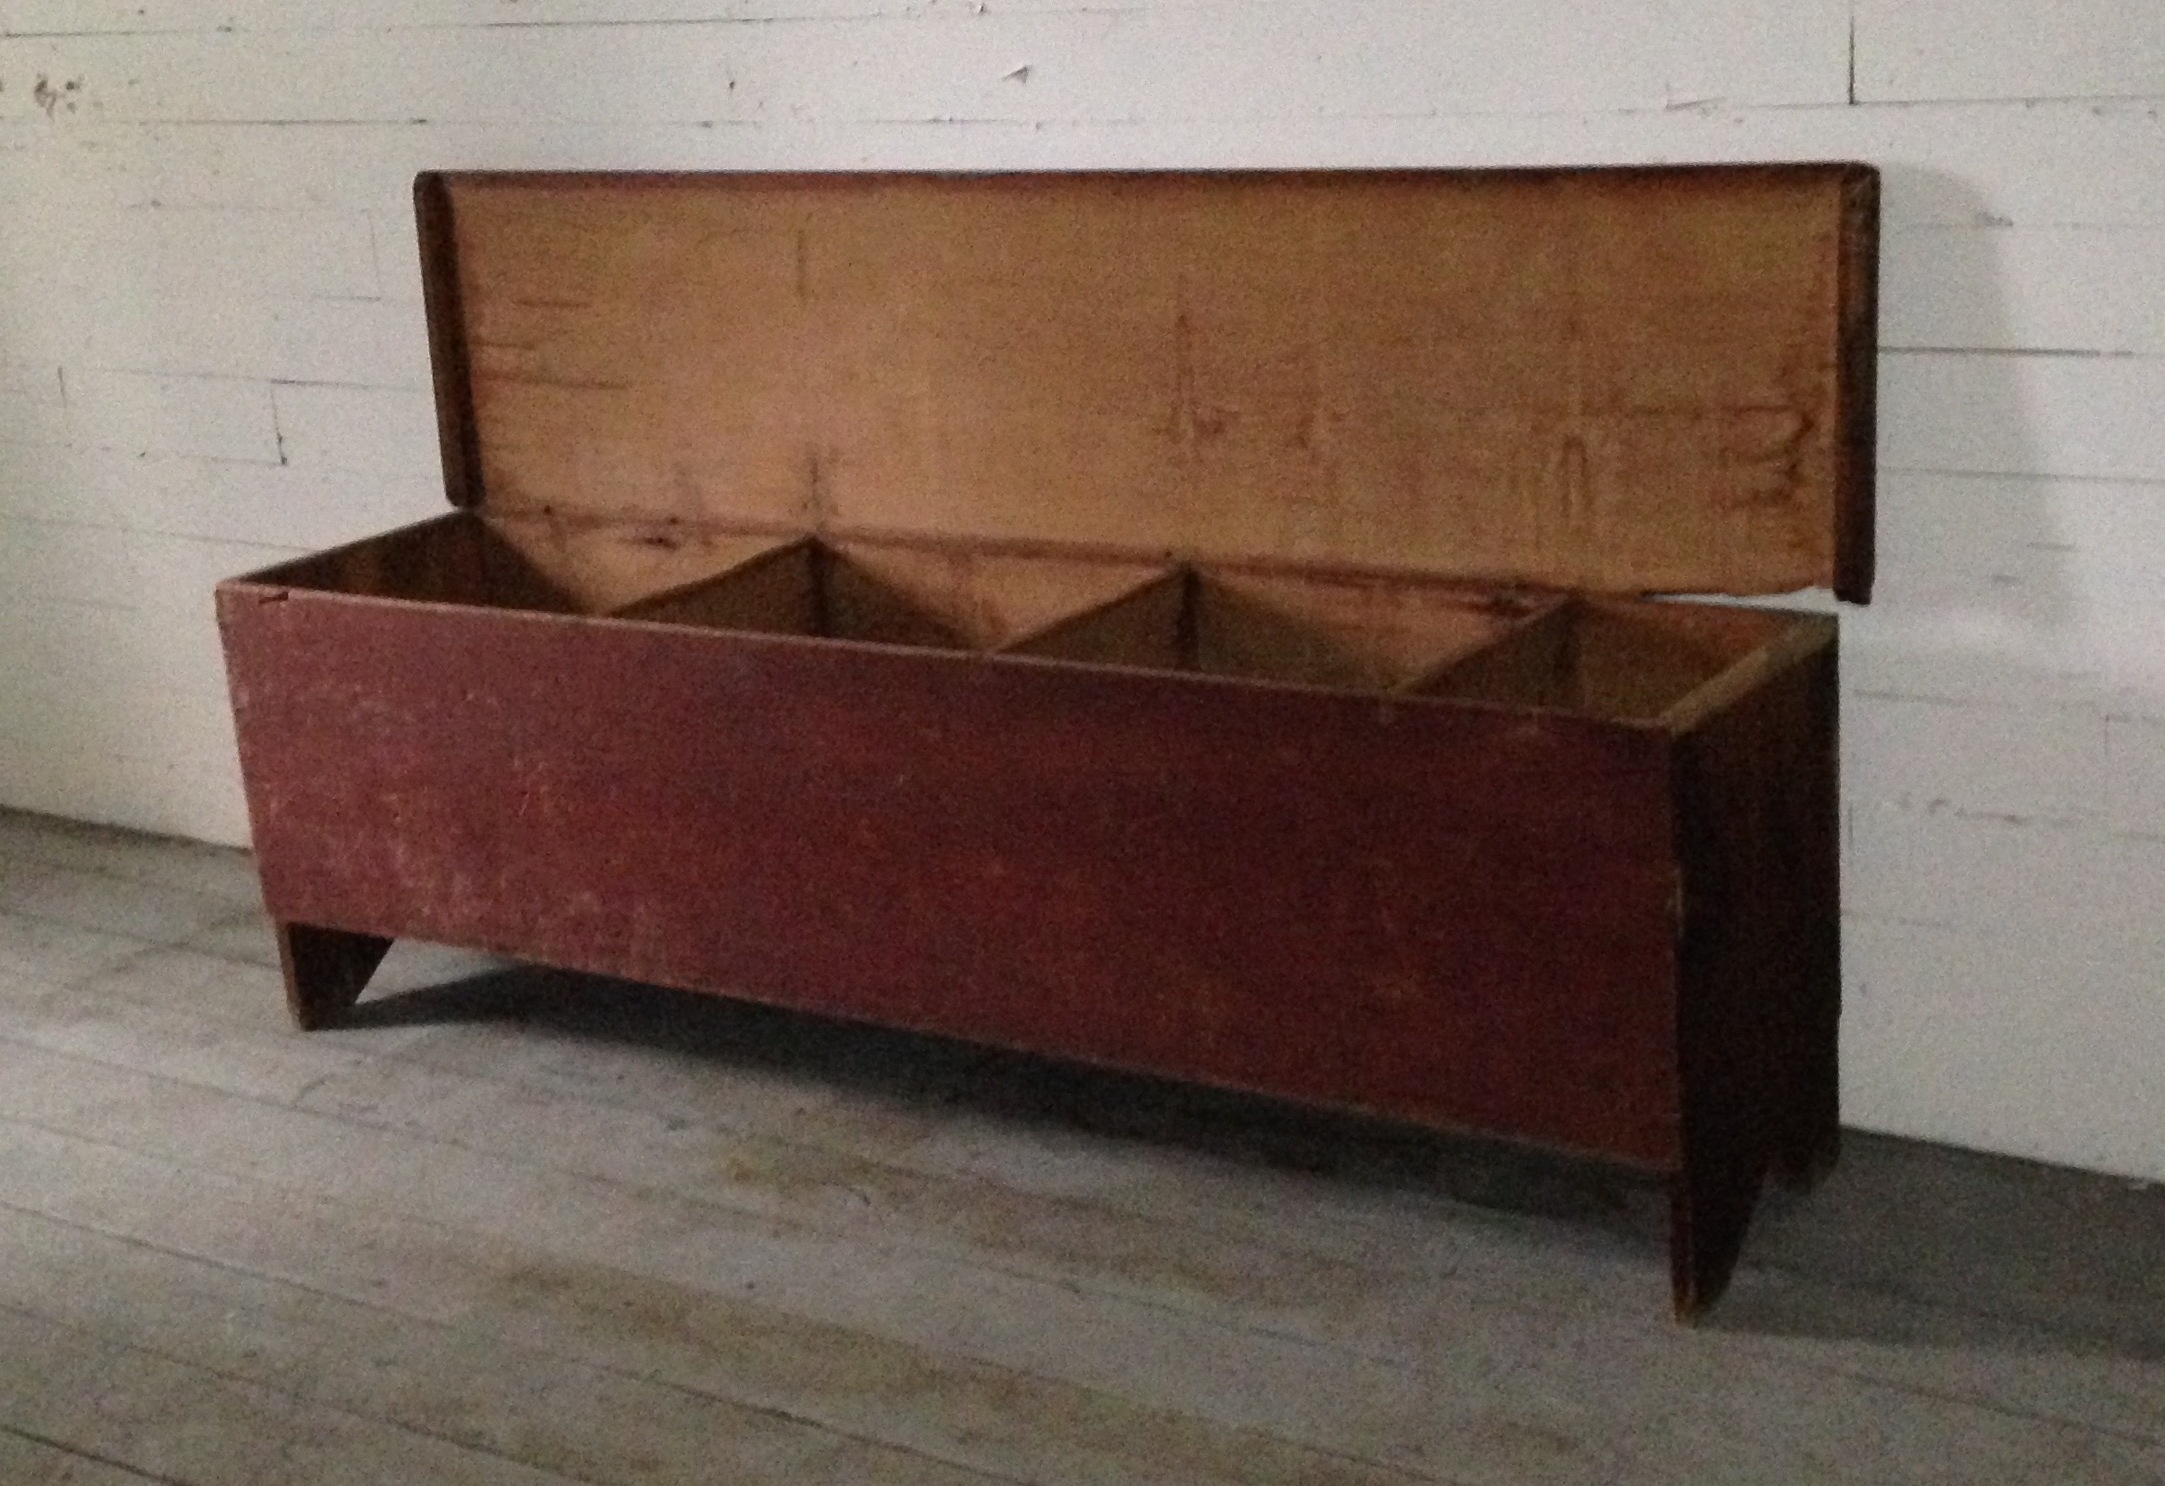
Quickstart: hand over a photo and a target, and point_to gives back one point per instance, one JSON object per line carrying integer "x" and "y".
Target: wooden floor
{"x": 518, "y": 1227}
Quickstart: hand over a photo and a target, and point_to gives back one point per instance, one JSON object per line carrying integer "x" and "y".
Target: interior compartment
{"x": 526, "y": 564}
{"x": 603, "y": 565}
{"x": 454, "y": 559}
{"x": 1624, "y": 659}
{"x": 937, "y": 597}
{"x": 1363, "y": 632}
{"x": 1367, "y": 632}
{"x": 1370, "y": 633}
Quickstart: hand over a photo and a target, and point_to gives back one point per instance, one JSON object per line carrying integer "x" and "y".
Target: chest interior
{"x": 1451, "y": 435}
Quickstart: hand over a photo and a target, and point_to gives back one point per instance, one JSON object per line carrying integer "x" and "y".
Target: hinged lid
{"x": 1653, "y": 380}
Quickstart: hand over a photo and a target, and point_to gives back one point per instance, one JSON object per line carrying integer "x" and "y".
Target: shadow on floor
{"x": 1907, "y": 1243}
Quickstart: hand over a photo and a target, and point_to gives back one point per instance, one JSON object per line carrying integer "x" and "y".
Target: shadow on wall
{"x": 1983, "y": 554}
{"x": 1971, "y": 561}
{"x": 2003, "y": 857}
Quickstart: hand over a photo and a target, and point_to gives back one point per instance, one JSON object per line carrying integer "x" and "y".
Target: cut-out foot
{"x": 1811, "y": 1136}
{"x": 1710, "y": 1208}
{"x": 326, "y": 970}
{"x": 1808, "y": 1157}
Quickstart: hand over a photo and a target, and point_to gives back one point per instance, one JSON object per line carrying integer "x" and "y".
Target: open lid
{"x": 1642, "y": 380}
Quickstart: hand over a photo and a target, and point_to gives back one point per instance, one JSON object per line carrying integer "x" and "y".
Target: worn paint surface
{"x": 1454, "y": 914}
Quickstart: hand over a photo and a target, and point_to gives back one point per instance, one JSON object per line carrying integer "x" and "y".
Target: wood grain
{"x": 1626, "y": 660}
{"x": 1609, "y": 380}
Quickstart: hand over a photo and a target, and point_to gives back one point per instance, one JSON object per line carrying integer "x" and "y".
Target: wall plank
{"x": 1928, "y": 50}
{"x": 2065, "y": 165}
{"x": 2089, "y": 416}
{"x": 1936, "y": 1017}
{"x": 33, "y": 408}
{"x": 384, "y": 433}
{"x": 1973, "y": 287}
{"x": 1290, "y": 57}
{"x": 141, "y": 413}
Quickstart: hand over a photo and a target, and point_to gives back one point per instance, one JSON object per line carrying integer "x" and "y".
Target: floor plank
{"x": 199, "y": 869}
{"x": 1107, "y": 1218}
{"x": 105, "y": 903}
{"x": 1658, "y": 1404}
{"x": 707, "y": 1340}
{"x": 510, "y": 1225}
{"x": 584, "y": 1422}
{"x": 1310, "y": 1394}
{"x": 672, "y": 1104}
{"x": 169, "y": 1420}
{"x": 26, "y": 1460}
{"x": 58, "y": 954}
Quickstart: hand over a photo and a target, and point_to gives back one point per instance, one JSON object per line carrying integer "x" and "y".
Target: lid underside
{"x": 1611, "y": 380}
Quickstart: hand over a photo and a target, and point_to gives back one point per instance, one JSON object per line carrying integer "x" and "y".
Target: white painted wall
{"x": 211, "y": 354}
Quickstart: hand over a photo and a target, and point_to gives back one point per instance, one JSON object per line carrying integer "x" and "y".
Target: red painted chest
{"x": 1193, "y": 623}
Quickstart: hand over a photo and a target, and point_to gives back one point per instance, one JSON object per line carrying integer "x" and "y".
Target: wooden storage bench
{"x": 1196, "y": 624}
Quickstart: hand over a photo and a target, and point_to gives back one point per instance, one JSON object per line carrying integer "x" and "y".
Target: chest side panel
{"x": 1461, "y": 916}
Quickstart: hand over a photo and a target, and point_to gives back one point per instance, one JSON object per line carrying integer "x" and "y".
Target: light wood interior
{"x": 602, "y": 566}
{"x": 1363, "y": 633}
{"x": 1366, "y": 633}
{"x": 1613, "y": 658}
{"x": 1374, "y": 634}
{"x": 454, "y": 559}
{"x": 1623, "y": 659}
{"x": 1616, "y": 381}
{"x": 896, "y": 594}
{"x": 521, "y": 564}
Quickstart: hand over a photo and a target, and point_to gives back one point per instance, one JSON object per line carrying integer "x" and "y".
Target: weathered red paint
{"x": 1447, "y": 913}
